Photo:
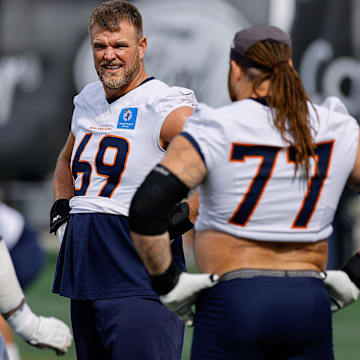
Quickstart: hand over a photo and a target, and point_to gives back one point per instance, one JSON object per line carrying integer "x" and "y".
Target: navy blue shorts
{"x": 267, "y": 317}
{"x": 130, "y": 328}
{"x": 98, "y": 260}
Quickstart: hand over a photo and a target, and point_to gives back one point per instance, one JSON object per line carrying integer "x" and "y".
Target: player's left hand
{"x": 342, "y": 291}
{"x": 184, "y": 294}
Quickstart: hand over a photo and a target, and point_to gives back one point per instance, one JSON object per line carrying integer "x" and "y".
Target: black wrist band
{"x": 165, "y": 282}
{"x": 352, "y": 269}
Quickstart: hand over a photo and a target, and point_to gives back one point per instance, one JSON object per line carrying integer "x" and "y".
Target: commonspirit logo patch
{"x": 127, "y": 118}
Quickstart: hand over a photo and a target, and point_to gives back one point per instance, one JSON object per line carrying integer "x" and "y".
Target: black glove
{"x": 59, "y": 214}
{"x": 178, "y": 221}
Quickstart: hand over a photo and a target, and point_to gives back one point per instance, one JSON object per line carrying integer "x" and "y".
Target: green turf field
{"x": 346, "y": 322}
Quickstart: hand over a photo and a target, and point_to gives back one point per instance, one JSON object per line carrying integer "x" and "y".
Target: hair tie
{"x": 279, "y": 63}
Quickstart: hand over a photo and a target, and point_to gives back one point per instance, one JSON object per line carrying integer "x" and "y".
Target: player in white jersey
{"x": 120, "y": 129}
{"x": 270, "y": 170}
{"x": 21, "y": 240}
{"x": 120, "y": 141}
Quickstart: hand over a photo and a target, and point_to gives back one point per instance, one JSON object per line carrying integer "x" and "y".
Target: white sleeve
{"x": 172, "y": 98}
{"x": 74, "y": 127}
{"x": 207, "y": 136}
{"x": 334, "y": 104}
{"x": 348, "y": 140}
{"x": 11, "y": 294}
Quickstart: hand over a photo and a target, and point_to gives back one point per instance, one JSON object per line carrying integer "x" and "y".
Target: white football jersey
{"x": 117, "y": 144}
{"x": 250, "y": 190}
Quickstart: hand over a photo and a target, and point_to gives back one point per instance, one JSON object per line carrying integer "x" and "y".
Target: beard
{"x": 120, "y": 83}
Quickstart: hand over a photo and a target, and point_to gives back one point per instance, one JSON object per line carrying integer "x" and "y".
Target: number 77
{"x": 268, "y": 156}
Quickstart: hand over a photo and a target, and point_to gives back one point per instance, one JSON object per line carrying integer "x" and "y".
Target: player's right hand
{"x": 184, "y": 294}
{"x": 342, "y": 291}
{"x": 41, "y": 332}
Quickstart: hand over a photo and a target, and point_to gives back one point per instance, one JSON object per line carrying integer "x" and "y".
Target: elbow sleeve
{"x": 152, "y": 202}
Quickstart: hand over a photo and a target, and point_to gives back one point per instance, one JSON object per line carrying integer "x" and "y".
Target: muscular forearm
{"x": 63, "y": 182}
{"x": 63, "y": 190}
{"x": 154, "y": 251}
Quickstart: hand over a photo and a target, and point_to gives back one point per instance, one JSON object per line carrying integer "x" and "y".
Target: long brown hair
{"x": 287, "y": 97}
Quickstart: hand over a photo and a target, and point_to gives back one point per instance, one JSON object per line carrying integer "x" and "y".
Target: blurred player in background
{"x": 120, "y": 129}
{"x": 270, "y": 169}
{"x": 27, "y": 255}
{"x": 39, "y": 331}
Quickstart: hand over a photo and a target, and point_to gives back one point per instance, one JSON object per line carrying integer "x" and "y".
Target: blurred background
{"x": 45, "y": 60}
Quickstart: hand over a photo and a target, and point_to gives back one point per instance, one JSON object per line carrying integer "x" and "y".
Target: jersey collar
{"x": 262, "y": 100}
{"x": 110, "y": 101}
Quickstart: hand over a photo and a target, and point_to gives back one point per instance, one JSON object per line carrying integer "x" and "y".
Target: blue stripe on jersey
{"x": 194, "y": 144}
{"x": 98, "y": 260}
